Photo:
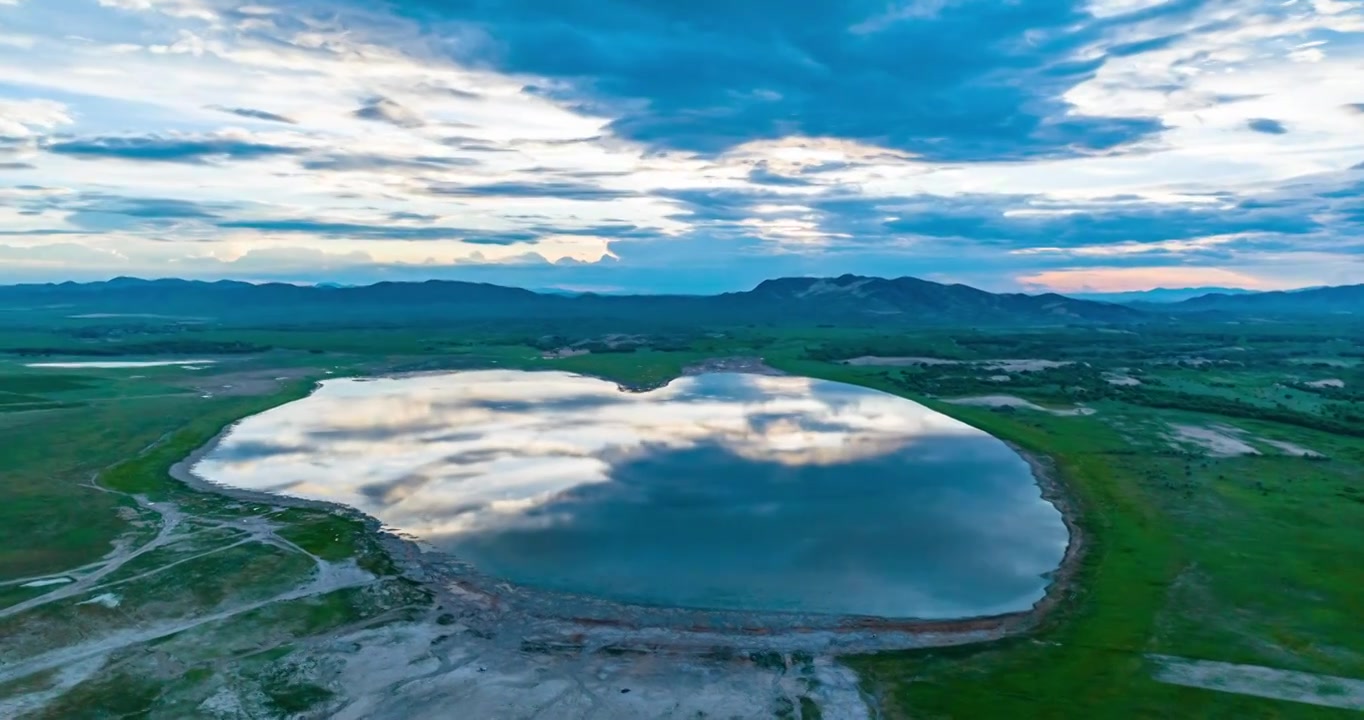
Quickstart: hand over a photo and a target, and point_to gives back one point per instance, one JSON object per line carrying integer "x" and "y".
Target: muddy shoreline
{"x": 548, "y": 619}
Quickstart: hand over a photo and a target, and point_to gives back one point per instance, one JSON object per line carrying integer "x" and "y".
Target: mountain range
{"x": 847, "y": 299}
{"x": 1340, "y": 299}
{"x": 1157, "y": 295}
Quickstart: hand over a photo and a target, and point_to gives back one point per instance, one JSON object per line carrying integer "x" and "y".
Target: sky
{"x": 698, "y": 146}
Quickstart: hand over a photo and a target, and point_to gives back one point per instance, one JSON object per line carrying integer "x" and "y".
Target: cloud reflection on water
{"x": 722, "y": 490}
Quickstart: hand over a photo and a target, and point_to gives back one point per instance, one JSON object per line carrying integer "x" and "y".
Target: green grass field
{"x": 1253, "y": 559}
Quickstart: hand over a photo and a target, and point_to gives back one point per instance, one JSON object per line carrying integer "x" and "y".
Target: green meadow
{"x": 1220, "y": 493}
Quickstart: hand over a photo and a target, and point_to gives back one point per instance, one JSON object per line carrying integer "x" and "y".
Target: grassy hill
{"x": 848, "y": 299}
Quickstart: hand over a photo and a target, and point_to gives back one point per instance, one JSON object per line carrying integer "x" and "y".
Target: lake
{"x": 721, "y": 491}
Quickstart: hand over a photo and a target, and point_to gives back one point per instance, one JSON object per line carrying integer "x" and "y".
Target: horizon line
{"x": 580, "y": 290}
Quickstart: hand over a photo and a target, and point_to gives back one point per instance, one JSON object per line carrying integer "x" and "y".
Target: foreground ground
{"x": 1219, "y": 471}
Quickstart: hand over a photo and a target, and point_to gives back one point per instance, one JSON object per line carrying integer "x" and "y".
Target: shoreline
{"x": 1054, "y": 491}
{"x": 496, "y": 605}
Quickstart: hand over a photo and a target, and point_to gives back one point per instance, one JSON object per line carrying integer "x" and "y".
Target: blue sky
{"x": 696, "y": 146}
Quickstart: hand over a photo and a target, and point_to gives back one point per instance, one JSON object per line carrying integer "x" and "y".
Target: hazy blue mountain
{"x": 1158, "y": 295}
{"x": 1343, "y": 299}
{"x": 911, "y": 299}
{"x": 848, "y": 299}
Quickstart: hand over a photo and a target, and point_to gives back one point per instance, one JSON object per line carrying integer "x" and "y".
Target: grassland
{"x": 1195, "y": 551}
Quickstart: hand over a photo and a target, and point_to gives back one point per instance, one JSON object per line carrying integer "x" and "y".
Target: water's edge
{"x": 478, "y": 599}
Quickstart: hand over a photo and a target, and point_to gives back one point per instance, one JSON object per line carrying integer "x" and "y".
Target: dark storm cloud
{"x": 468, "y": 144}
{"x": 155, "y": 148}
{"x": 381, "y": 109}
{"x": 254, "y": 114}
{"x": 1142, "y": 46}
{"x": 345, "y": 162}
{"x": 411, "y": 216}
{"x": 613, "y": 230}
{"x": 145, "y": 207}
{"x": 1266, "y": 126}
{"x": 983, "y": 220}
{"x": 972, "y": 80}
{"x": 101, "y": 212}
{"x": 568, "y": 141}
{"x": 437, "y": 89}
{"x": 561, "y": 189}
{"x": 40, "y": 232}
{"x": 761, "y": 175}
{"x": 323, "y": 228}
{"x": 700, "y": 205}
{"x": 504, "y": 238}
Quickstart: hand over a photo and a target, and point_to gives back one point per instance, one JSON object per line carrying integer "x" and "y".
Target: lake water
{"x": 718, "y": 491}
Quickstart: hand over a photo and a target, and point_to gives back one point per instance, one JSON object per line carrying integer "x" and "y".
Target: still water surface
{"x": 719, "y": 491}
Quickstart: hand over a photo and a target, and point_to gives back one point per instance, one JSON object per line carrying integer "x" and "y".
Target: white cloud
{"x": 1110, "y": 8}
{"x": 162, "y": 66}
{"x": 1138, "y": 248}
{"x": 182, "y": 9}
{"x": 28, "y": 118}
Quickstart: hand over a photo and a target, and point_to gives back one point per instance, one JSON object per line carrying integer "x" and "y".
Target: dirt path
{"x": 1324, "y": 690}
{"x": 170, "y": 517}
{"x": 329, "y": 577}
{"x": 1010, "y": 401}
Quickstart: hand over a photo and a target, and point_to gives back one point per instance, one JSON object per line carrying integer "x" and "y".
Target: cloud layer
{"x": 704, "y": 146}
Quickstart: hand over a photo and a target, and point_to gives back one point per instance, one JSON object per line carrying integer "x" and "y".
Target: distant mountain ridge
{"x": 1159, "y": 295}
{"x": 849, "y": 299}
{"x": 854, "y": 294}
{"x": 1340, "y": 299}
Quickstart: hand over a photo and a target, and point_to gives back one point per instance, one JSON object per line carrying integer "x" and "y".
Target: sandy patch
{"x": 66, "y": 677}
{"x": 1324, "y": 690}
{"x": 223, "y": 704}
{"x": 1026, "y": 365}
{"x": 1327, "y": 383}
{"x": 1000, "y": 378}
{"x": 117, "y": 364}
{"x": 564, "y": 352}
{"x": 1290, "y": 449}
{"x": 1009, "y": 401}
{"x": 1119, "y": 379}
{"x": 897, "y": 361}
{"x": 1218, "y": 440}
{"x": 1006, "y": 365}
{"x": 423, "y": 671}
{"x": 46, "y": 582}
{"x": 108, "y": 600}
{"x": 249, "y": 382}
